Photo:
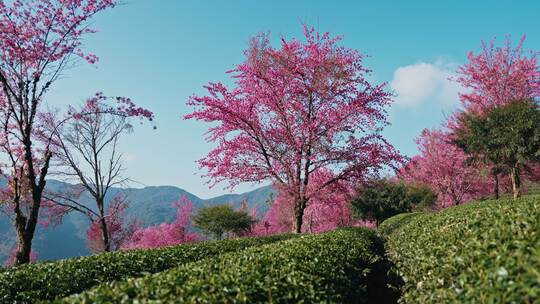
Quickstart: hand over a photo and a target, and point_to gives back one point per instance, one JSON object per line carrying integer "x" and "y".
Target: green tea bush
{"x": 484, "y": 252}
{"x": 42, "y": 281}
{"x": 395, "y": 222}
{"x": 334, "y": 267}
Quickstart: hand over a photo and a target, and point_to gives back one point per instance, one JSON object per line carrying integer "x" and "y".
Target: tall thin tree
{"x": 38, "y": 40}
{"x": 87, "y": 152}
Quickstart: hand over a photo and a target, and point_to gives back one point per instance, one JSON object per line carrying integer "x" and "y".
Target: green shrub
{"x": 334, "y": 267}
{"x": 380, "y": 199}
{"x": 218, "y": 219}
{"x": 484, "y": 252}
{"x": 50, "y": 280}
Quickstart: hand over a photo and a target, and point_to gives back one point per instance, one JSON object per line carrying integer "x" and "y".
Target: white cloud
{"x": 424, "y": 82}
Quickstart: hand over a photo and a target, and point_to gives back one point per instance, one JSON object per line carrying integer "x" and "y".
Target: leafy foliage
{"x": 220, "y": 219}
{"x": 333, "y": 267}
{"x": 482, "y": 252}
{"x": 507, "y": 135}
{"x": 26, "y": 284}
{"x": 381, "y": 199}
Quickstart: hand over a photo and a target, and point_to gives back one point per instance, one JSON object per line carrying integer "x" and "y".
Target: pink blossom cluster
{"x": 119, "y": 229}
{"x": 327, "y": 210}
{"x": 166, "y": 234}
{"x": 273, "y": 107}
{"x": 498, "y": 75}
{"x": 36, "y": 34}
{"x": 442, "y": 166}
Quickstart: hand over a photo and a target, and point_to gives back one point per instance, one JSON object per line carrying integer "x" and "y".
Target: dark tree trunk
{"x": 25, "y": 229}
{"x": 25, "y": 226}
{"x": 298, "y": 220}
{"x": 311, "y": 223}
{"x": 496, "y": 185}
{"x": 299, "y": 208}
{"x": 516, "y": 181}
{"x": 24, "y": 245}
{"x": 104, "y": 230}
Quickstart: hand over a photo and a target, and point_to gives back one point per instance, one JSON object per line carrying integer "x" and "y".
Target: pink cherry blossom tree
{"x": 495, "y": 77}
{"x": 498, "y": 75}
{"x": 166, "y": 234}
{"x": 327, "y": 211}
{"x": 39, "y": 39}
{"x": 118, "y": 228}
{"x": 296, "y": 109}
{"x": 442, "y": 166}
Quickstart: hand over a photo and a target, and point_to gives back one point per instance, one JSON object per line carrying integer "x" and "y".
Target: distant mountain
{"x": 150, "y": 205}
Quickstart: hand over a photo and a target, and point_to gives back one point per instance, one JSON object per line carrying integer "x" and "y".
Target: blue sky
{"x": 159, "y": 52}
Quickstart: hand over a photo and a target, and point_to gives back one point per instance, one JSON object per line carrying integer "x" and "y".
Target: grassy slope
{"x": 482, "y": 252}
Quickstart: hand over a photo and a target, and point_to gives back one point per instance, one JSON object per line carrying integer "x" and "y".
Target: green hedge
{"x": 484, "y": 252}
{"x": 395, "y": 222}
{"x": 26, "y": 284}
{"x": 334, "y": 267}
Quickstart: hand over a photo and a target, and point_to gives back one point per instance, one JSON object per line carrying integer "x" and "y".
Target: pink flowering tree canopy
{"x": 296, "y": 109}
{"x": 442, "y": 166}
{"x": 497, "y": 76}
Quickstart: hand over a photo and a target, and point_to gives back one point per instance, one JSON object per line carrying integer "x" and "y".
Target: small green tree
{"x": 381, "y": 199}
{"x": 507, "y": 137}
{"x": 220, "y": 219}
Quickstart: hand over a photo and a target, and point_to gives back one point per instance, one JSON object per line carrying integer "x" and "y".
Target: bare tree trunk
{"x": 104, "y": 230}
{"x": 516, "y": 181}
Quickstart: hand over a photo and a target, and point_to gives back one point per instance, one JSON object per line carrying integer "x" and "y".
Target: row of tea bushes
{"x": 26, "y": 284}
{"x": 333, "y": 267}
{"x": 483, "y": 252}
